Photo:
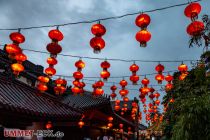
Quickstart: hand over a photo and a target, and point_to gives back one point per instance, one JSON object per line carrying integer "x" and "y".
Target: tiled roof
{"x": 86, "y": 100}
{"x": 18, "y": 97}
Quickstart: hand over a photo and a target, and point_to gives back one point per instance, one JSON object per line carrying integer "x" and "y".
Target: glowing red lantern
{"x": 116, "y": 107}
{"x": 134, "y": 79}
{"x": 157, "y": 102}
{"x": 55, "y": 35}
{"x": 169, "y": 78}
{"x": 117, "y": 102}
{"x": 143, "y": 37}
{"x": 172, "y": 100}
{"x": 113, "y": 88}
{"x": 195, "y": 28}
{"x": 81, "y": 124}
{"x": 159, "y": 78}
{"x": 75, "y": 90}
{"x": 110, "y": 119}
{"x": 143, "y": 20}
{"x": 105, "y": 65}
{"x": 50, "y": 71}
{"x": 123, "y": 83}
{"x": 105, "y": 75}
{"x": 183, "y": 68}
{"x": 13, "y": 49}
{"x": 157, "y": 95}
{"x": 98, "y": 30}
{"x": 99, "y": 91}
{"x": 78, "y": 75}
{"x": 20, "y": 57}
{"x": 134, "y": 68}
{"x": 123, "y": 92}
{"x": 168, "y": 86}
{"x": 145, "y": 81}
{"x": 49, "y": 125}
{"x": 97, "y": 43}
{"x": 125, "y": 99}
{"x": 17, "y": 37}
{"x": 52, "y": 61}
{"x": 17, "y": 68}
{"x": 192, "y": 10}
{"x": 113, "y": 95}
{"x": 110, "y": 125}
{"x": 43, "y": 79}
{"x": 80, "y": 65}
{"x": 159, "y": 68}
{"x": 42, "y": 87}
{"x": 183, "y": 76}
{"x": 121, "y": 125}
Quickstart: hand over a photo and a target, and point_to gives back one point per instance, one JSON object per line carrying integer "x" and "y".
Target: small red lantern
{"x": 117, "y": 102}
{"x": 49, "y": 125}
{"x": 192, "y": 10}
{"x": 12, "y": 50}
{"x": 81, "y": 124}
{"x": 75, "y": 90}
{"x": 110, "y": 119}
{"x": 145, "y": 81}
{"x": 110, "y": 125}
{"x": 17, "y": 37}
{"x": 116, "y": 107}
{"x": 50, "y": 71}
{"x": 169, "y": 78}
{"x": 20, "y": 57}
{"x": 134, "y": 79}
{"x": 152, "y": 89}
{"x": 159, "y": 68}
{"x": 172, "y": 100}
{"x": 43, "y": 79}
{"x": 55, "y": 35}
{"x": 98, "y": 30}
{"x": 134, "y": 68}
{"x": 151, "y": 96}
{"x": 143, "y": 37}
{"x": 157, "y": 102}
{"x": 157, "y": 95}
{"x": 80, "y": 65}
{"x": 17, "y": 68}
{"x": 125, "y": 99}
{"x": 42, "y": 87}
{"x": 99, "y": 91}
{"x": 78, "y": 75}
{"x": 123, "y": 92}
{"x": 121, "y": 125}
{"x": 195, "y": 28}
{"x": 52, "y": 61}
{"x": 182, "y": 68}
{"x": 105, "y": 75}
{"x": 159, "y": 78}
{"x": 123, "y": 83}
{"x": 143, "y": 20}
{"x": 168, "y": 86}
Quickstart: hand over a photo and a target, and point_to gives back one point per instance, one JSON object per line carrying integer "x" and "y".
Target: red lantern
{"x": 123, "y": 83}
{"x": 110, "y": 125}
{"x": 121, "y": 125}
{"x": 110, "y": 119}
{"x": 13, "y": 49}
{"x": 113, "y": 95}
{"x": 152, "y": 89}
{"x": 183, "y": 68}
{"x": 125, "y": 99}
{"x": 78, "y": 75}
{"x": 195, "y": 28}
{"x": 81, "y": 124}
{"x": 143, "y": 20}
{"x": 159, "y": 78}
{"x": 169, "y": 78}
{"x": 172, "y": 100}
{"x": 123, "y": 92}
{"x": 42, "y": 87}
{"x": 43, "y": 79}
{"x": 55, "y": 35}
{"x": 50, "y": 71}
{"x": 116, "y": 107}
{"x": 105, "y": 65}
{"x": 157, "y": 95}
{"x": 80, "y": 65}
{"x": 183, "y": 76}
{"x": 145, "y": 81}
{"x": 192, "y": 10}
{"x": 99, "y": 91}
{"x": 105, "y": 75}
{"x": 17, "y": 68}
{"x": 97, "y": 43}
{"x": 151, "y": 96}
{"x": 75, "y": 90}
{"x": 59, "y": 82}
{"x": 98, "y": 30}
{"x": 134, "y": 79}
{"x": 157, "y": 102}
{"x": 168, "y": 86}
{"x": 113, "y": 88}
{"x": 134, "y": 68}
{"x": 143, "y": 37}
{"x": 159, "y": 68}
{"x": 143, "y": 100}
{"x": 20, "y": 57}
{"x": 54, "y": 48}
{"x": 17, "y": 37}
{"x": 117, "y": 102}
{"x": 49, "y": 125}
{"x": 52, "y": 61}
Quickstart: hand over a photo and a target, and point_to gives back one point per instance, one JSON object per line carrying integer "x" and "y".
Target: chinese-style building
{"x": 23, "y": 107}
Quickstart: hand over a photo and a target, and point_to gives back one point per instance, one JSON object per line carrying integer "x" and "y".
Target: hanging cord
{"x": 101, "y": 19}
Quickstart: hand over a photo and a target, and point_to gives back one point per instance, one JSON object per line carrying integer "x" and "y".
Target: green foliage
{"x": 188, "y": 118}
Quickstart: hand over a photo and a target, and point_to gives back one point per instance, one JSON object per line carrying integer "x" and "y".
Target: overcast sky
{"x": 169, "y": 38}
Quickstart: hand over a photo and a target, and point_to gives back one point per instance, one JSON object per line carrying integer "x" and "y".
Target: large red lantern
{"x": 50, "y": 71}
{"x": 20, "y": 58}
{"x": 17, "y": 37}
{"x": 195, "y": 28}
{"x": 192, "y": 10}
{"x": 123, "y": 83}
{"x": 52, "y": 61}
{"x": 98, "y": 30}
{"x": 169, "y": 78}
{"x": 159, "y": 78}
{"x": 159, "y": 68}
{"x": 42, "y": 87}
{"x": 54, "y": 48}
{"x": 134, "y": 79}
{"x": 143, "y": 37}
{"x": 143, "y": 20}
{"x": 168, "y": 86}
{"x": 97, "y": 42}
{"x": 78, "y": 75}
{"x": 134, "y": 68}
{"x": 55, "y": 35}
{"x": 182, "y": 68}
{"x": 123, "y": 92}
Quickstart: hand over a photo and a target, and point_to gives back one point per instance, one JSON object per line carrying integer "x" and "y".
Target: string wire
{"x": 100, "y": 19}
